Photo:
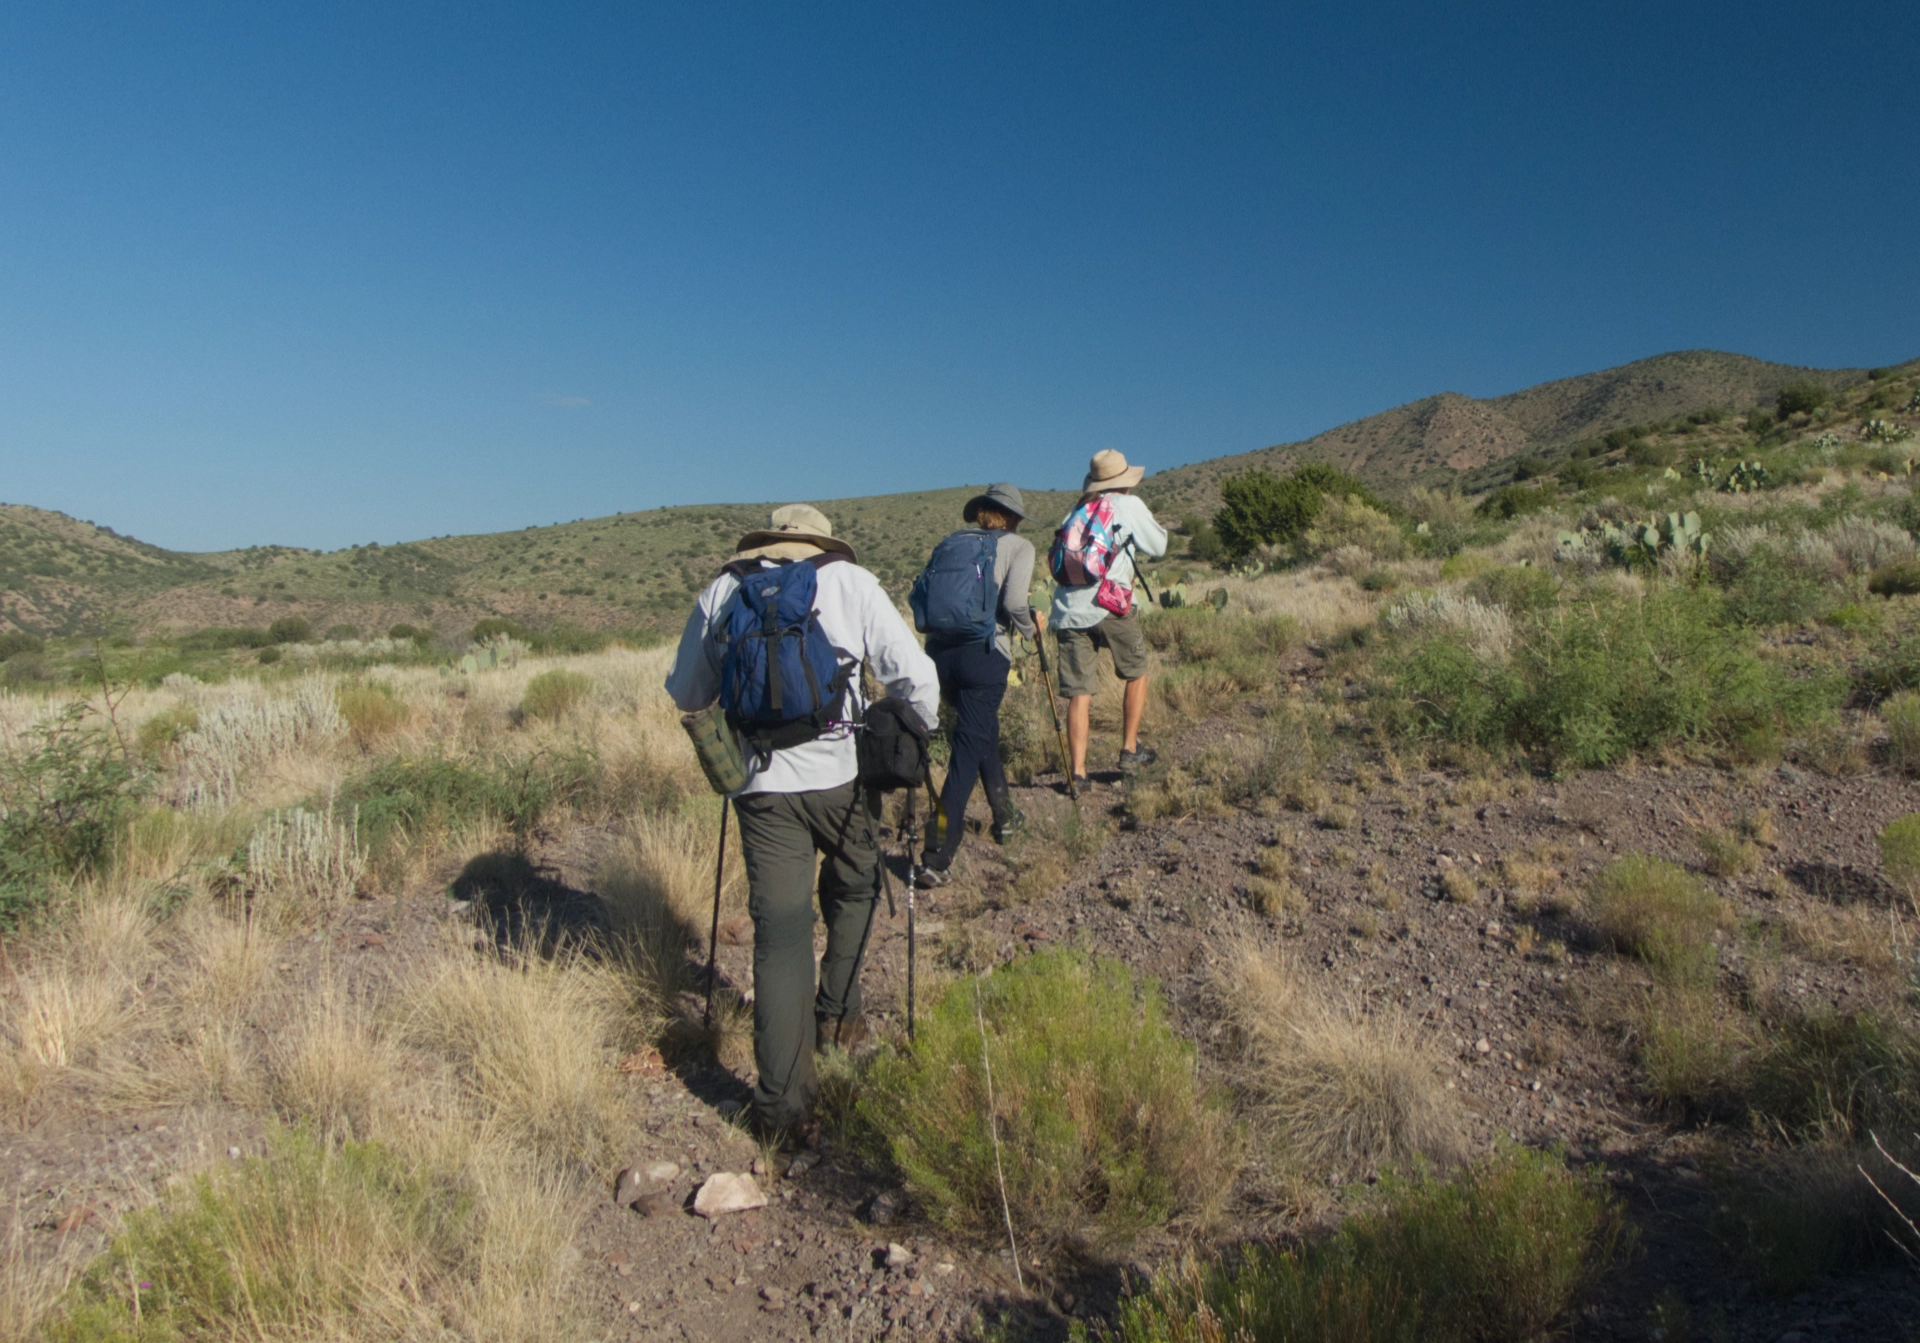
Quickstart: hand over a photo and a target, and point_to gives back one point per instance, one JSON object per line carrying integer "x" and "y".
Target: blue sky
{"x": 322, "y": 274}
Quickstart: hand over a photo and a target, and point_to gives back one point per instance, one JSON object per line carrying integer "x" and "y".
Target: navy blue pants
{"x": 973, "y": 679}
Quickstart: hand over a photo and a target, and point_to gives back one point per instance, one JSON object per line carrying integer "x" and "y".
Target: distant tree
{"x": 19, "y": 641}
{"x": 290, "y": 630}
{"x": 1262, "y": 509}
{"x": 1798, "y": 398}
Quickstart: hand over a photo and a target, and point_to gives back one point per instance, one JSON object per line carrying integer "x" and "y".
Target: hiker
{"x": 1093, "y": 606}
{"x": 971, "y": 596}
{"x": 801, "y": 798}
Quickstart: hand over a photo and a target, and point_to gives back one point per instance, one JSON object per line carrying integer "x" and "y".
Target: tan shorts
{"x": 1079, "y": 661}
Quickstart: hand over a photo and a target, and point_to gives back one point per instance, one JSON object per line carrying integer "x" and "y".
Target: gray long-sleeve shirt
{"x": 1013, "y": 571}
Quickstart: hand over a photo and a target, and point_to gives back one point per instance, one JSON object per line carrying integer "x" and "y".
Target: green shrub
{"x": 1900, "y": 856}
{"x": 267, "y": 656}
{"x": 1645, "y": 453}
{"x": 1590, "y": 683}
{"x": 215, "y": 638}
{"x": 1765, "y": 590}
{"x": 278, "y": 1246}
{"x": 63, "y": 797}
{"x": 1103, "y": 1129}
{"x": 492, "y": 628}
{"x": 417, "y": 633}
{"x": 1501, "y": 1251}
{"x": 290, "y": 630}
{"x": 1902, "y": 717}
{"x": 19, "y": 641}
{"x": 1801, "y": 398}
{"x": 1898, "y": 579}
{"x": 1835, "y": 1075}
{"x": 553, "y": 693}
{"x": 403, "y": 798}
{"x": 165, "y": 729}
{"x": 1658, "y": 912}
{"x": 371, "y": 712}
{"x": 342, "y": 633}
{"x": 1261, "y": 509}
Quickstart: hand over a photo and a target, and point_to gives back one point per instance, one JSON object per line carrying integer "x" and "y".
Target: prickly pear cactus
{"x": 1176, "y": 595}
{"x": 1217, "y": 599}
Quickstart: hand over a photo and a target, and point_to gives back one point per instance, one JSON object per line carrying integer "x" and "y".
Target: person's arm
{"x": 1149, "y": 537}
{"x": 894, "y": 655}
{"x": 1017, "y": 553}
{"x": 694, "y": 682}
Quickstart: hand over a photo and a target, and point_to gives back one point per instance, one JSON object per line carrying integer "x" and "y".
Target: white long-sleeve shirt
{"x": 861, "y": 623}
{"x": 1074, "y": 608}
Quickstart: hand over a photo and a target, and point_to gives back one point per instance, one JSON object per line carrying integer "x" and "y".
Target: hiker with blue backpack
{"x": 967, "y": 601}
{"x": 1093, "y": 605}
{"x": 777, "y": 641}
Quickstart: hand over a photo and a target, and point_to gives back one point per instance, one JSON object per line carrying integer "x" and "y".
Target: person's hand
{"x": 1039, "y": 621}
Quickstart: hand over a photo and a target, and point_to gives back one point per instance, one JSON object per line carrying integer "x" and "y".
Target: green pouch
{"x": 718, "y": 749}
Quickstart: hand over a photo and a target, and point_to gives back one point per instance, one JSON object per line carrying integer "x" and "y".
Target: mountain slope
{"x": 638, "y": 571}
{"x": 1427, "y": 441}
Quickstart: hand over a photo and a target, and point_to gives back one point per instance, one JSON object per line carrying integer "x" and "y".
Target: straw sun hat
{"x": 1109, "y": 471}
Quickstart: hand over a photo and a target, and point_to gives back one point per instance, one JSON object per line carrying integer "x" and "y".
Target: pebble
{"x": 663, "y": 1172}
{"x": 898, "y": 1255}
{"x": 1483, "y": 1046}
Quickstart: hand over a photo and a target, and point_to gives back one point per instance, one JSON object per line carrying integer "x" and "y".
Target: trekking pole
{"x": 912, "y": 946}
{"x": 1053, "y": 705}
{"x": 713, "y": 935}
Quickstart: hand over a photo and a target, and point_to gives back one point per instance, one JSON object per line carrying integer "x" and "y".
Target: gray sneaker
{"x": 1134, "y": 759}
{"x": 927, "y": 878}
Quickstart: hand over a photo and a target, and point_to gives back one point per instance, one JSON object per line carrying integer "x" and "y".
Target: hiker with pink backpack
{"x": 1092, "y": 560}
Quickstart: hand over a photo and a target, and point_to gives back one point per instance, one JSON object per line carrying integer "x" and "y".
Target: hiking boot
{"x": 1008, "y": 827}
{"x": 847, "y": 1033}
{"x": 926, "y": 878}
{"x": 1134, "y": 759}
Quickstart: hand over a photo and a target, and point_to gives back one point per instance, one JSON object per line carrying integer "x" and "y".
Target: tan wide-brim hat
{"x": 792, "y": 523}
{"x": 1109, "y": 471}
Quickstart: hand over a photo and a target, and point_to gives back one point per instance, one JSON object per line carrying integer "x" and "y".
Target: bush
{"x": 371, "y": 712}
{"x": 1588, "y": 684}
{"x": 553, "y": 693}
{"x": 1261, "y": 509}
{"x": 166, "y": 728}
{"x": 63, "y": 797}
{"x": 1659, "y": 913}
{"x": 266, "y": 657}
{"x": 1801, "y": 398}
{"x": 270, "y": 1246}
{"x": 290, "y": 630}
{"x": 1900, "y": 856}
{"x": 1644, "y": 453}
{"x": 417, "y": 633}
{"x": 402, "y": 798}
{"x": 1834, "y": 1075}
{"x": 215, "y": 638}
{"x": 342, "y": 633}
{"x": 1502, "y": 1251}
{"x": 1899, "y": 579}
{"x": 1103, "y": 1129}
{"x": 19, "y": 641}
{"x": 492, "y": 628}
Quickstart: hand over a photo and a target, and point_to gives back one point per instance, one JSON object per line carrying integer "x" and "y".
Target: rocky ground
{"x": 1498, "y": 970}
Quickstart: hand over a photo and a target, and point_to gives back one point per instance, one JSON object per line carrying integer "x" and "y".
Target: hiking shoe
{"x": 1134, "y": 759}
{"x": 928, "y": 877}
{"x": 847, "y": 1033}
{"x": 1008, "y": 825}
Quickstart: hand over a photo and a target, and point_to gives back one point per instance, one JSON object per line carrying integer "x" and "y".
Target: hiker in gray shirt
{"x": 973, "y": 678}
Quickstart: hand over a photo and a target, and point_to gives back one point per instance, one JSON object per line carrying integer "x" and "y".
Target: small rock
{"x": 633, "y": 1307}
{"x": 626, "y": 1187}
{"x": 886, "y": 1206}
{"x": 234, "y": 1152}
{"x": 657, "y": 1204}
{"x": 373, "y": 940}
{"x": 943, "y": 1268}
{"x": 725, "y": 1192}
{"x": 737, "y": 932}
{"x": 773, "y": 1296}
{"x": 801, "y": 1164}
{"x": 760, "y": 1166}
{"x": 663, "y": 1172}
{"x": 1483, "y": 1046}
{"x": 898, "y": 1255}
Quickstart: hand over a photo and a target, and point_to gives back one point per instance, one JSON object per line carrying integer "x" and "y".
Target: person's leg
{"x": 849, "y": 886}
{"x": 979, "y": 679}
{"x": 1079, "y": 678}
{"x": 993, "y": 771}
{"x": 962, "y": 765}
{"x": 777, "y": 837}
{"x": 1133, "y": 707}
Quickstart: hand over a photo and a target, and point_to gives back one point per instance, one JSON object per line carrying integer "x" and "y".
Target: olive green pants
{"x": 781, "y": 833}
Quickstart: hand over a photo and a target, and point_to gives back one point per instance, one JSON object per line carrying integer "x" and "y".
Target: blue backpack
{"x": 956, "y": 596}
{"x": 781, "y": 679}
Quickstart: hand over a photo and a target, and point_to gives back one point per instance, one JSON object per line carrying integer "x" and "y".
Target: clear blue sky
{"x": 330, "y": 273}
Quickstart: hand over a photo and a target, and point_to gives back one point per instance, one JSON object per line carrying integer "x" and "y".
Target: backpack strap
{"x": 751, "y": 565}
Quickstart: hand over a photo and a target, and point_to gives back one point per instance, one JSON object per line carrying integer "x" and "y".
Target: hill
{"x": 636, "y": 572}
{"x": 1446, "y": 439}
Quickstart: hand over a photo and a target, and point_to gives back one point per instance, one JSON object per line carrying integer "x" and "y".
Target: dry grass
{"x": 1332, "y": 1088}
